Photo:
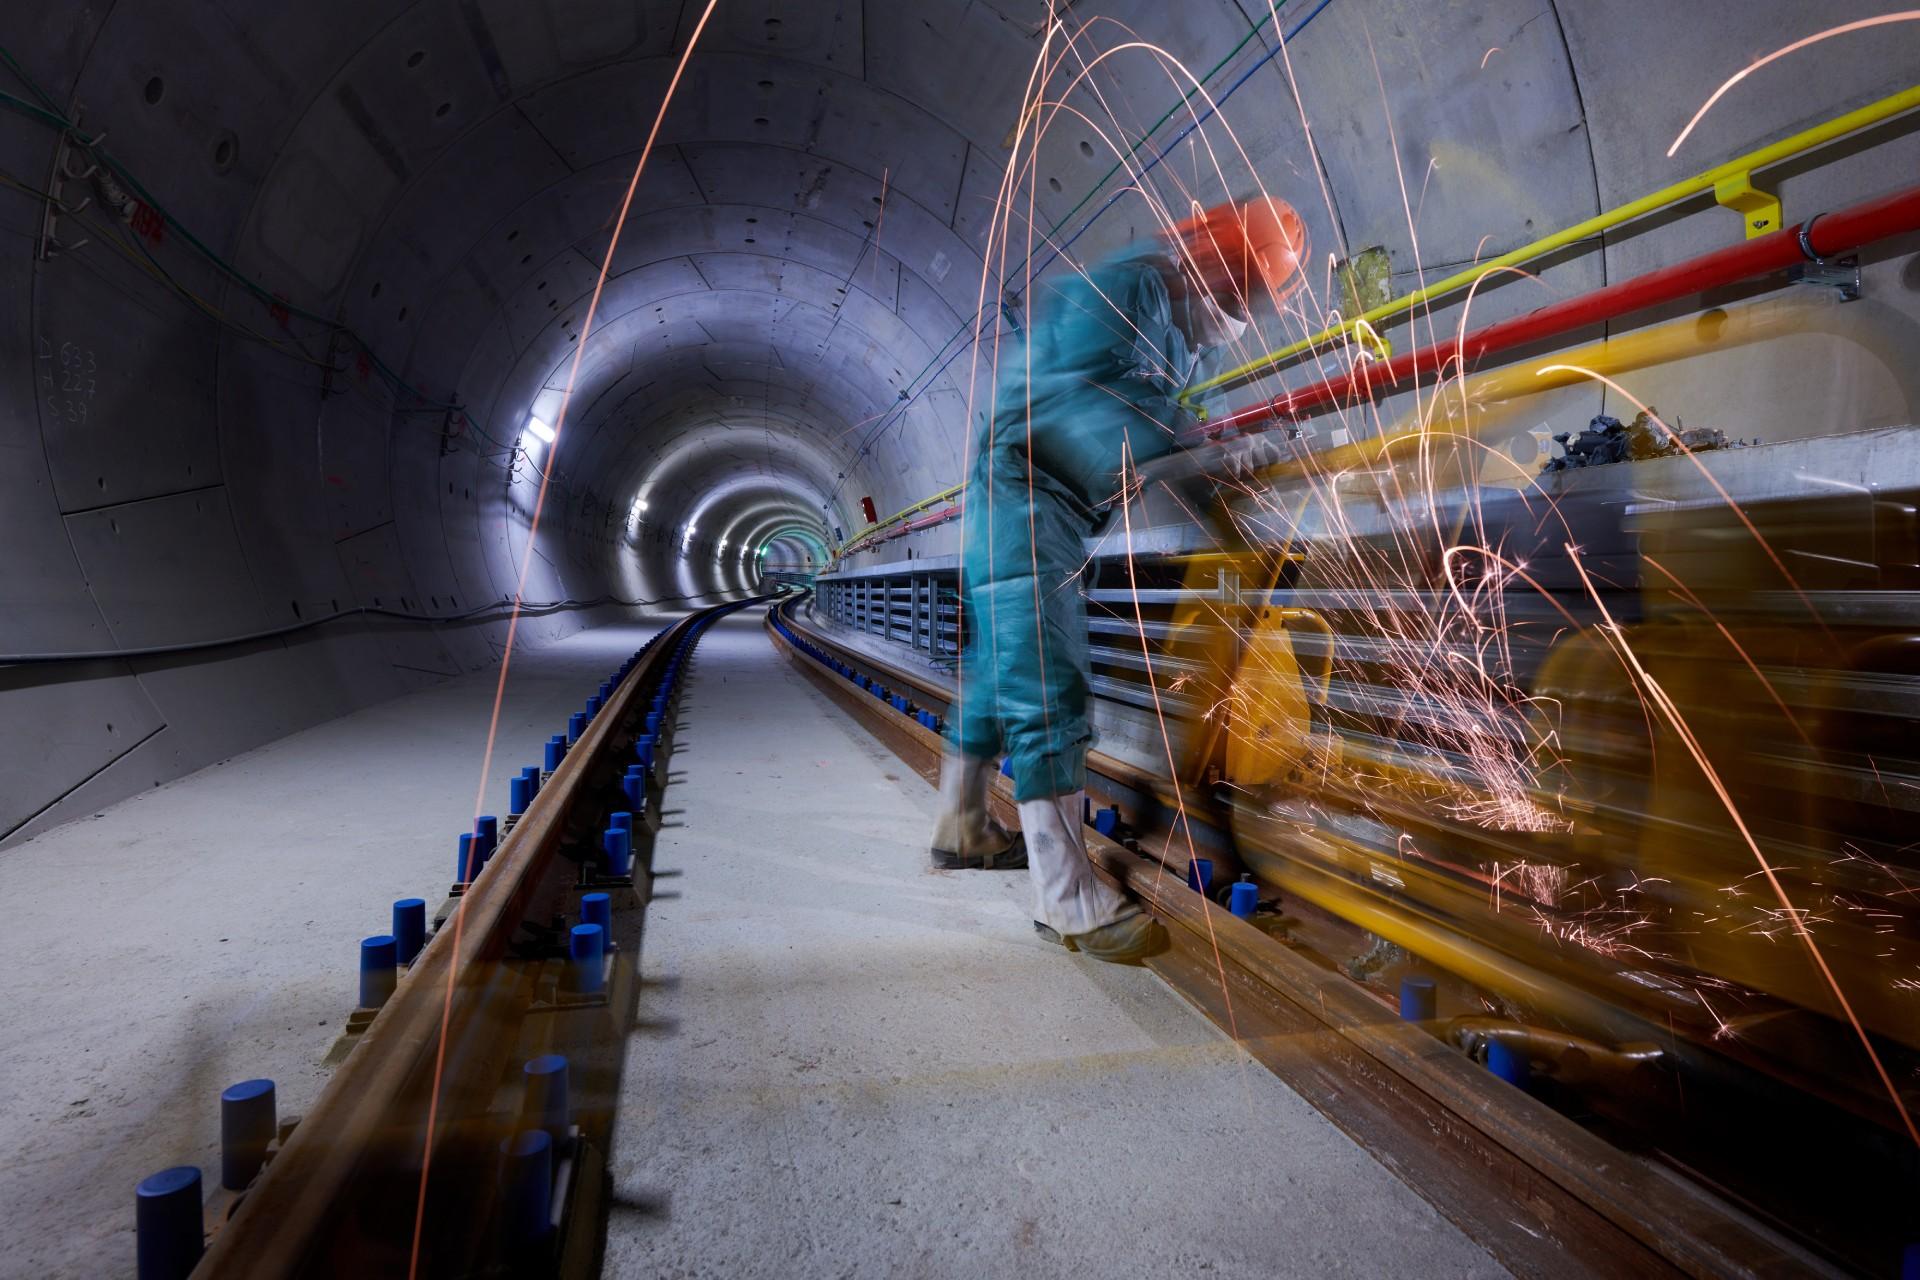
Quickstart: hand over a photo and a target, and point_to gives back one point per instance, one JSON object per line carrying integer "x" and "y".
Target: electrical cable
{"x": 271, "y": 633}
{"x": 60, "y": 121}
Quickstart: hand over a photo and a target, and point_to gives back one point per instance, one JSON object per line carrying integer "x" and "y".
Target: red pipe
{"x": 1821, "y": 236}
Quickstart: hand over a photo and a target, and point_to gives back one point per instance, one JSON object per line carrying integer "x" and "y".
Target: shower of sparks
{"x": 1377, "y": 547}
{"x": 1880, "y": 20}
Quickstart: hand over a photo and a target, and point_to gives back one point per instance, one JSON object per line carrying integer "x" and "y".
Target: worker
{"x": 1094, "y": 388}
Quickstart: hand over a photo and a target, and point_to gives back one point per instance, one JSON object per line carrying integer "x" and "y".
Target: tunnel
{"x": 405, "y": 391}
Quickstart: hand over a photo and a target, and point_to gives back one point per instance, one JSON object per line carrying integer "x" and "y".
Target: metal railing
{"x": 912, "y": 603}
{"x": 917, "y": 603}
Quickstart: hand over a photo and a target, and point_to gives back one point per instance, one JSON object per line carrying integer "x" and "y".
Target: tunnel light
{"x": 539, "y": 430}
{"x": 633, "y": 512}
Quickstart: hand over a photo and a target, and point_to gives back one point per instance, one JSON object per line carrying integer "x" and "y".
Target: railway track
{"x": 450, "y": 1140}
{"x": 1548, "y": 1197}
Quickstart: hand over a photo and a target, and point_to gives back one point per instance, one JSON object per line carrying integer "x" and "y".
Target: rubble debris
{"x": 1606, "y": 440}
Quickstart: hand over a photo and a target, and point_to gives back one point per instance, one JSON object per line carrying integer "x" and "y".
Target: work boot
{"x": 1070, "y": 900}
{"x": 965, "y": 836}
{"x": 1128, "y": 940}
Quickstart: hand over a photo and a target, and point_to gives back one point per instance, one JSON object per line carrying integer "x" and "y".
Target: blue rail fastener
{"x": 464, "y": 866}
{"x": 1200, "y": 874}
{"x": 587, "y": 949}
{"x": 168, "y": 1233}
{"x": 1107, "y": 821}
{"x": 1419, "y": 1000}
{"x": 1244, "y": 898}
{"x": 532, "y": 774}
{"x": 594, "y": 703}
{"x": 576, "y": 725}
{"x": 619, "y": 847}
{"x": 556, "y": 752}
{"x": 519, "y": 795}
{"x": 486, "y": 837}
{"x": 247, "y": 1121}
{"x": 546, "y": 1106}
{"x": 409, "y": 927}
{"x": 379, "y": 969}
{"x": 527, "y": 1183}
{"x": 597, "y": 908}
{"x": 1508, "y": 1063}
{"x": 620, "y": 820}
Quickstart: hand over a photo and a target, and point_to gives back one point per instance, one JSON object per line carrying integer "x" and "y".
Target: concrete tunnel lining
{"x": 310, "y": 151}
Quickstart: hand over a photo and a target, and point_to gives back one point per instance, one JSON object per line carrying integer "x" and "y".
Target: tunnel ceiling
{"x": 803, "y": 241}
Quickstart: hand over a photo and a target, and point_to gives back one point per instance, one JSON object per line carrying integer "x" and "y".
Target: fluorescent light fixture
{"x": 539, "y": 430}
{"x": 639, "y": 504}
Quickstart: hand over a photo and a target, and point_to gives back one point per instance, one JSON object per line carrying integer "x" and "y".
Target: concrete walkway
{"x": 207, "y": 932}
{"x": 850, "y": 1065}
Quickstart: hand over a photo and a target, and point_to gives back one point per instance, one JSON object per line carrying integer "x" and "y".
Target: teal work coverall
{"x": 1098, "y": 377}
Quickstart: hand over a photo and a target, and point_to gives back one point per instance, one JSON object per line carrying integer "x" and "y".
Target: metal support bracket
{"x": 1370, "y": 340}
{"x": 1759, "y": 209}
{"x": 1834, "y": 273}
{"x": 61, "y": 173}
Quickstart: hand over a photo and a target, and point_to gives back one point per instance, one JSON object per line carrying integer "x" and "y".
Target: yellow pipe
{"x": 945, "y": 495}
{"x": 1739, "y": 167}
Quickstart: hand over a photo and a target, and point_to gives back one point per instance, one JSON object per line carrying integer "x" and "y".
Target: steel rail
{"x": 341, "y": 1192}
{"x": 1547, "y": 1197}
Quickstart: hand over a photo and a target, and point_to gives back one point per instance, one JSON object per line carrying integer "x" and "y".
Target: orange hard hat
{"x": 1230, "y": 245}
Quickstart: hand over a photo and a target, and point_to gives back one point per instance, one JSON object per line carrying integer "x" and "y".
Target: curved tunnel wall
{"x": 783, "y": 328}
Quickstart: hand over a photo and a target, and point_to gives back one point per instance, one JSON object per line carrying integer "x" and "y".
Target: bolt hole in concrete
{"x": 415, "y": 58}
{"x": 226, "y": 149}
{"x": 156, "y": 90}
{"x": 441, "y": 110}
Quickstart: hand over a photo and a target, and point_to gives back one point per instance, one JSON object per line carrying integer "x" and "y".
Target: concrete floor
{"x": 207, "y": 932}
{"x": 850, "y": 1065}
